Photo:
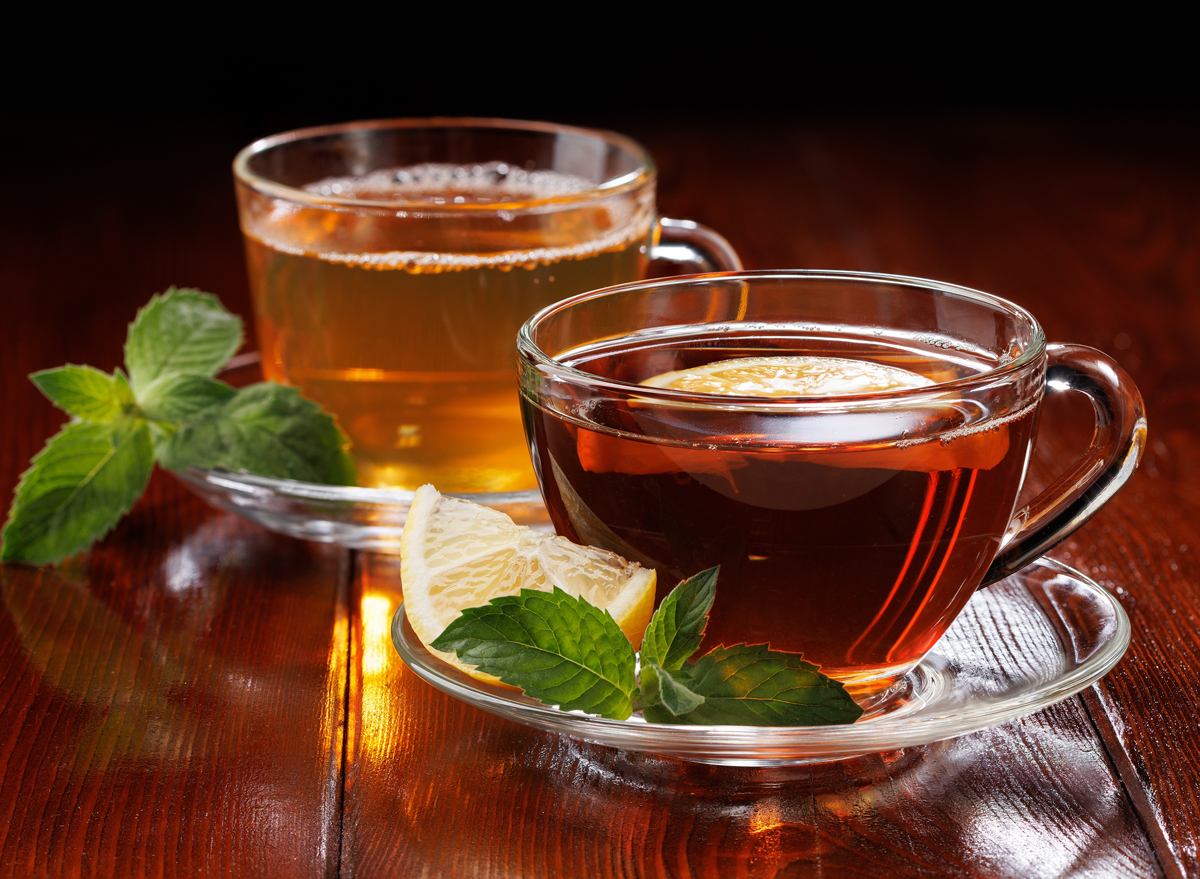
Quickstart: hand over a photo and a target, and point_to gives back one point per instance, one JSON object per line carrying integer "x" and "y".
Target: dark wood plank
{"x": 171, "y": 703}
{"x": 435, "y": 787}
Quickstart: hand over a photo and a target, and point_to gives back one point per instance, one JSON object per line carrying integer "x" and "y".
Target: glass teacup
{"x": 850, "y": 528}
{"x": 391, "y": 263}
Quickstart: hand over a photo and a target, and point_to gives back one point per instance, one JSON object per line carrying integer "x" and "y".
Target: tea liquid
{"x": 404, "y": 328}
{"x": 858, "y": 556}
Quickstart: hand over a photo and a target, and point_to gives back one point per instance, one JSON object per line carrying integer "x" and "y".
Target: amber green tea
{"x": 410, "y": 342}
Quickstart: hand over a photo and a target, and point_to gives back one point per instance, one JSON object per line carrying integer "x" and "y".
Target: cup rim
{"x": 645, "y": 173}
{"x": 527, "y": 348}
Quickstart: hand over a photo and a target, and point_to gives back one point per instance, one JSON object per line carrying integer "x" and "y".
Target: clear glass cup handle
{"x": 683, "y": 241}
{"x": 1093, "y": 479}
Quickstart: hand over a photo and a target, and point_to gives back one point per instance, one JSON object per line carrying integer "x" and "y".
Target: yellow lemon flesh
{"x": 789, "y": 376}
{"x": 455, "y": 554}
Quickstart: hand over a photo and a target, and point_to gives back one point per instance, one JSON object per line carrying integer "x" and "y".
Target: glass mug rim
{"x": 1032, "y": 356}
{"x": 645, "y": 173}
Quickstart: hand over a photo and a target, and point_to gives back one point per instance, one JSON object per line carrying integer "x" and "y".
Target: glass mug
{"x": 853, "y": 528}
{"x": 392, "y": 262}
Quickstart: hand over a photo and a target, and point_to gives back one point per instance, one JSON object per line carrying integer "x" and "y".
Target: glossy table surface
{"x": 198, "y": 696}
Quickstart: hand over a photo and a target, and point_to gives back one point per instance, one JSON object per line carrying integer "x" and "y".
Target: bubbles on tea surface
{"x": 420, "y": 192}
{"x": 982, "y": 426}
{"x": 426, "y": 262}
{"x": 445, "y": 184}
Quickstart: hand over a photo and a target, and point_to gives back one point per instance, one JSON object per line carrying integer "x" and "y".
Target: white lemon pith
{"x": 789, "y": 376}
{"x": 455, "y": 554}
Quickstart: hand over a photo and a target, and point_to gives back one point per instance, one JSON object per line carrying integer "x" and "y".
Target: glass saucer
{"x": 360, "y": 518}
{"x": 1031, "y": 640}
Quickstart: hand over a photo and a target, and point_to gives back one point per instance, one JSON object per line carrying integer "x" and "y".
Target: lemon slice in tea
{"x": 789, "y": 376}
{"x": 455, "y": 554}
{"x": 804, "y": 376}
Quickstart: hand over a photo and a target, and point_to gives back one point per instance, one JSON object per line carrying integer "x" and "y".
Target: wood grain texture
{"x": 171, "y": 703}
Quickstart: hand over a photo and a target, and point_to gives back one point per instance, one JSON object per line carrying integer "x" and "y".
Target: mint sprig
{"x": 164, "y": 406}
{"x": 565, "y": 651}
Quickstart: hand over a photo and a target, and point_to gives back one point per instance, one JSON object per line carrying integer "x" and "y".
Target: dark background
{"x": 593, "y": 64}
{"x": 95, "y": 104}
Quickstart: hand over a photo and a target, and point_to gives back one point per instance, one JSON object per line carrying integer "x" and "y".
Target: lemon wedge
{"x": 455, "y": 554}
{"x": 789, "y": 376}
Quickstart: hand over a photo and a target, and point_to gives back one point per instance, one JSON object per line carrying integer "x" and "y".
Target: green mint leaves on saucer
{"x": 566, "y": 652}
{"x": 560, "y": 649}
{"x": 164, "y": 406}
{"x": 752, "y": 685}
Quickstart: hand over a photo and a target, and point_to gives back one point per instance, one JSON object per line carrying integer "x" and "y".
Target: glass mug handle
{"x": 682, "y": 241}
{"x": 1090, "y": 482}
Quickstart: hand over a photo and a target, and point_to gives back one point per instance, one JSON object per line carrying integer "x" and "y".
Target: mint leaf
{"x": 78, "y": 487}
{"x": 180, "y": 332}
{"x": 267, "y": 429}
{"x": 753, "y": 685}
{"x": 169, "y": 407}
{"x": 178, "y": 398}
{"x": 659, "y": 688}
{"x": 677, "y": 627}
{"x": 566, "y": 652}
{"x": 85, "y": 392}
{"x": 557, "y": 648}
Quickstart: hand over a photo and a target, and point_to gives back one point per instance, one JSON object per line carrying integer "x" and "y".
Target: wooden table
{"x": 198, "y": 696}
